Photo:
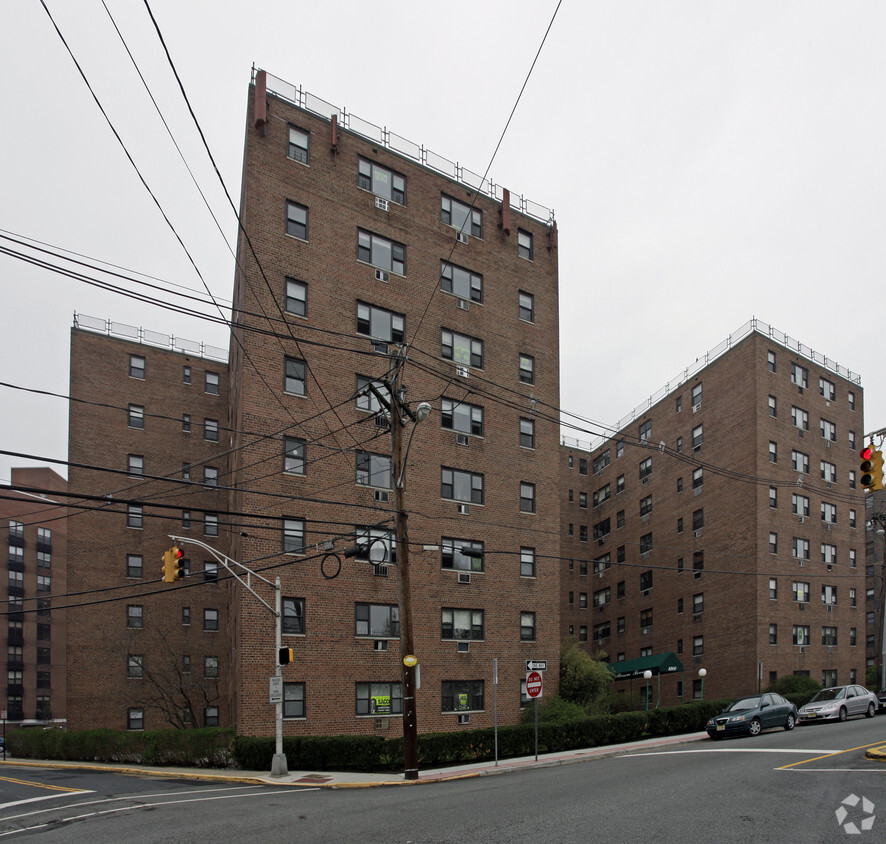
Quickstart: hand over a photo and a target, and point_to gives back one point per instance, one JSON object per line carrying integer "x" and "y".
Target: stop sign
{"x": 533, "y": 684}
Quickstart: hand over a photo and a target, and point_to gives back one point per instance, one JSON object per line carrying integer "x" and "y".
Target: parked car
{"x": 838, "y": 703}
{"x": 751, "y": 715}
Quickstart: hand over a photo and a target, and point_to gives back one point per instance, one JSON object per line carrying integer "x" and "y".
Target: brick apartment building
{"x": 35, "y": 528}
{"x": 724, "y": 522}
{"x": 147, "y": 444}
{"x": 366, "y": 260}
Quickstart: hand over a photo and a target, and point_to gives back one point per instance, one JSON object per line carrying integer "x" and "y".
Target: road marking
{"x": 40, "y": 784}
{"x": 827, "y": 754}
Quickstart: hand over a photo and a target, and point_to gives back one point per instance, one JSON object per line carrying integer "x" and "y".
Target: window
{"x": 373, "y": 470}
{"x": 526, "y": 306}
{"x": 135, "y": 617}
{"x": 210, "y": 430}
{"x": 770, "y": 361}
{"x": 293, "y": 700}
{"x": 211, "y": 383}
{"x": 646, "y": 618}
{"x": 800, "y": 634}
{"x": 773, "y": 407}
{"x": 210, "y": 524}
{"x": 645, "y": 580}
{"x": 773, "y": 634}
{"x": 527, "y": 497}
{"x": 829, "y": 595}
{"x": 135, "y": 464}
{"x": 801, "y": 548}
{"x": 461, "y": 624}
{"x": 645, "y": 468}
{"x": 646, "y": 543}
{"x": 646, "y": 505}
{"x": 800, "y": 462}
{"x": 457, "y": 485}
{"x": 799, "y": 375}
{"x": 527, "y": 562}
{"x": 464, "y": 418}
{"x": 210, "y": 476}
{"x": 210, "y": 667}
{"x": 462, "y": 695}
{"x": 381, "y": 181}
{"x": 137, "y": 367}
{"x": 799, "y": 418}
{"x": 527, "y": 369}
{"x": 134, "y": 516}
{"x": 462, "y": 349}
{"x": 381, "y": 621}
{"x": 297, "y": 220}
{"x": 379, "y": 699}
{"x": 828, "y": 430}
{"x": 460, "y": 216}
{"x": 210, "y": 619}
{"x": 773, "y": 452}
{"x": 135, "y": 719}
{"x": 524, "y": 244}
{"x": 697, "y": 437}
{"x": 801, "y": 591}
{"x": 293, "y": 623}
{"x": 773, "y": 588}
{"x": 645, "y": 431}
{"x": 136, "y": 416}
{"x": 293, "y": 456}
{"x": 381, "y": 252}
{"x": 298, "y": 144}
{"x": 773, "y": 543}
{"x": 462, "y": 554}
{"x": 186, "y": 375}
{"x": 461, "y": 282}
{"x": 294, "y": 373}
{"x": 799, "y": 504}
{"x": 601, "y": 597}
{"x": 134, "y": 566}
{"x": 829, "y": 513}
{"x": 827, "y": 389}
{"x": 527, "y": 626}
{"x": 293, "y": 536}
{"x": 697, "y": 646}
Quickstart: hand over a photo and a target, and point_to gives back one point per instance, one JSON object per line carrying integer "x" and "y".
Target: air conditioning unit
{"x": 381, "y": 275}
{"x": 464, "y": 509}
{"x": 381, "y": 644}
{"x": 464, "y": 719}
{"x": 463, "y": 371}
{"x": 462, "y": 237}
{"x": 463, "y": 577}
{"x": 382, "y": 495}
{"x": 380, "y": 570}
{"x": 461, "y": 439}
{"x": 696, "y": 407}
{"x": 463, "y": 647}
{"x": 381, "y": 204}
{"x": 463, "y": 304}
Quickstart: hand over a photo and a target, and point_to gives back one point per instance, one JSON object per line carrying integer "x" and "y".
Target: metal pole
{"x": 279, "y": 767}
{"x": 407, "y": 656}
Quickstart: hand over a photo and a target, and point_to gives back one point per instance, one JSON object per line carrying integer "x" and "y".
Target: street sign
{"x": 536, "y": 665}
{"x": 534, "y": 684}
{"x": 275, "y": 689}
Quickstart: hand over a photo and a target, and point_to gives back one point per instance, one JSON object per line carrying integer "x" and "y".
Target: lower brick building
{"x": 724, "y": 522}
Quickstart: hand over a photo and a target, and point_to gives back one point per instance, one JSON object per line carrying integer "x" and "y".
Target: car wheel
{"x": 789, "y": 724}
{"x": 756, "y": 727}
{"x": 842, "y": 713}
{"x": 871, "y": 711}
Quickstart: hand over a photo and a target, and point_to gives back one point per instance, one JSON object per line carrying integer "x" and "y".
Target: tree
{"x": 584, "y": 679}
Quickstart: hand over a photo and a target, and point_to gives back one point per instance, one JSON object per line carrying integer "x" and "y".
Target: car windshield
{"x": 828, "y": 694}
{"x": 744, "y": 703}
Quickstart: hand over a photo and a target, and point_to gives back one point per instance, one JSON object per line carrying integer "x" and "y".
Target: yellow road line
{"x": 828, "y": 755}
{"x": 40, "y": 784}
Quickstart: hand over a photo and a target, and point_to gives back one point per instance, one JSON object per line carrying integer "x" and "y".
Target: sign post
{"x": 534, "y": 686}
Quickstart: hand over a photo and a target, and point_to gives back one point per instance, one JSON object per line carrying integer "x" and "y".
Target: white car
{"x": 839, "y": 703}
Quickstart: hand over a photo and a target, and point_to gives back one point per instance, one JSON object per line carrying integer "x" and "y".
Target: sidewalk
{"x": 346, "y": 779}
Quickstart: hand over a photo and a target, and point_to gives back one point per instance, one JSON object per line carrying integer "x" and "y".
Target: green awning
{"x": 627, "y": 669}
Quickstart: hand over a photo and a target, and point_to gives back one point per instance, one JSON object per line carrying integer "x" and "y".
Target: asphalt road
{"x": 777, "y": 787}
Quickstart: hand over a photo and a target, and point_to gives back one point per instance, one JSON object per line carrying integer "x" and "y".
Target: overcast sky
{"x": 707, "y": 162}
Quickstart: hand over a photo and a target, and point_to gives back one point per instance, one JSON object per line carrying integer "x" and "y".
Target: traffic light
{"x": 871, "y": 468}
{"x": 172, "y": 565}
{"x": 286, "y": 656}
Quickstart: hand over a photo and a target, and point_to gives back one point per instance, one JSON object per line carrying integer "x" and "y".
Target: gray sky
{"x": 707, "y": 162}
